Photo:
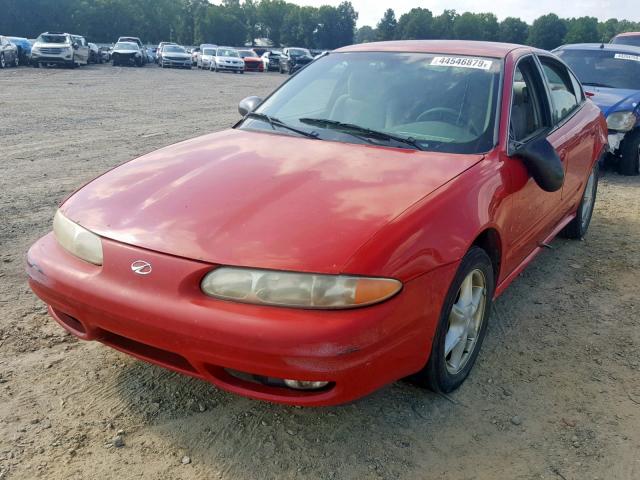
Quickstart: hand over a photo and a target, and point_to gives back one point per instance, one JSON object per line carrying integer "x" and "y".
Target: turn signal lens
{"x": 302, "y": 290}
{"x": 77, "y": 240}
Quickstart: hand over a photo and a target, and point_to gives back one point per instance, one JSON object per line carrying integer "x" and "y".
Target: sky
{"x": 371, "y": 11}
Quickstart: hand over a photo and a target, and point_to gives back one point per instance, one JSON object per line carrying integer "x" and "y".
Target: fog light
{"x": 305, "y": 385}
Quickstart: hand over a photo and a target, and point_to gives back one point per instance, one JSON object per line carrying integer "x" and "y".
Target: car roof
{"x": 628, "y": 34}
{"x": 618, "y": 47}
{"x": 448, "y": 47}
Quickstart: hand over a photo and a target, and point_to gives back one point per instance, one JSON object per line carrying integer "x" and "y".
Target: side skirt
{"x": 502, "y": 286}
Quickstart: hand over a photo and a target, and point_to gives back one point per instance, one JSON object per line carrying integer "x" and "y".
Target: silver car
{"x": 59, "y": 48}
{"x": 227, "y": 59}
{"x": 206, "y": 57}
{"x": 175, "y": 56}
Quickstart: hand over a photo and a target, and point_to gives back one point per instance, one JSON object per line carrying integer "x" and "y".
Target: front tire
{"x": 577, "y": 228}
{"x": 16, "y": 61}
{"x": 629, "y": 162}
{"x": 462, "y": 325}
{"x": 3, "y": 62}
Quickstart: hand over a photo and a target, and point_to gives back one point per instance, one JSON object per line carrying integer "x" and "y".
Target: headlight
{"x": 77, "y": 240}
{"x": 621, "y": 121}
{"x": 302, "y": 290}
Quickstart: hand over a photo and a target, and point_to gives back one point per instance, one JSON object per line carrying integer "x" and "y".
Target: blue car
{"x": 24, "y": 48}
{"x": 610, "y": 74}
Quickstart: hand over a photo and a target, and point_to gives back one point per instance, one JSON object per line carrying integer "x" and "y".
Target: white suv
{"x": 61, "y": 49}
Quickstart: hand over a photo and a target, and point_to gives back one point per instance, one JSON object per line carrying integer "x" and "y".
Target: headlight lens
{"x": 621, "y": 121}
{"x": 302, "y": 290}
{"x": 77, "y": 240}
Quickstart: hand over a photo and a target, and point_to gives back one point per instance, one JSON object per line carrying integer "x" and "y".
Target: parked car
{"x": 293, "y": 59}
{"x": 611, "y": 75}
{"x": 252, "y": 62}
{"x": 271, "y": 60}
{"x": 127, "y": 53}
{"x": 94, "y": 53}
{"x": 205, "y": 57}
{"x": 105, "y": 53}
{"x": 8, "y": 53}
{"x": 159, "y": 50}
{"x": 24, "y": 48}
{"x": 82, "y": 49}
{"x": 627, "y": 38}
{"x": 151, "y": 55}
{"x": 406, "y": 186}
{"x": 227, "y": 59}
{"x": 59, "y": 49}
{"x": 138, "y": 42}
{"x": 175, "y": 56}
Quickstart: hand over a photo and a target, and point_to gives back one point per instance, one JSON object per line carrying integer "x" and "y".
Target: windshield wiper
{"x": 362, "y": 131}
{"x": 596, "y": 84}
{"x": 274, "y": 122}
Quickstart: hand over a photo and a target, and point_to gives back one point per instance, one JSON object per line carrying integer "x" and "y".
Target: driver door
{"x": 534, "y": 212}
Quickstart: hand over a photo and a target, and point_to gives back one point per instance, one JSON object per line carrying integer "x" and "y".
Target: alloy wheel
{"x": 2, "y": 62}
{"x": 465, "y": 321}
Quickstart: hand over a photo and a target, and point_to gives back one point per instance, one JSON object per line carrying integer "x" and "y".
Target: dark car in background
{"x": 293, "y": 59}
{"x": 610, "y": 74}
{"x": 627, "y": 38}
{"x": 8, "y": 53}
{"x": 24, "y": 48}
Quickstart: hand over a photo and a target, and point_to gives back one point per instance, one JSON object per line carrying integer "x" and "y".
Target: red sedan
{"x": 351, "y": 230}
{"x": 252, "y": 61}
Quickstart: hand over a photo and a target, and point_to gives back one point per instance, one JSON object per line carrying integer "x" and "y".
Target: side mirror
{"x": 248, "y": 104}
{"x": 75, "y": 45}
{"x": 543, "y": 163}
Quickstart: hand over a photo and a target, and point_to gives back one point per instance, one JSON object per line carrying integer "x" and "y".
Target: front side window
{"x": 442, "y": 102}
{"x": 527, "y": 106}
{"x": 563, "y": 98}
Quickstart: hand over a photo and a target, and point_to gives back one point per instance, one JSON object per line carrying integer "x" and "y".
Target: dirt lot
{"x": 555, "y": 394}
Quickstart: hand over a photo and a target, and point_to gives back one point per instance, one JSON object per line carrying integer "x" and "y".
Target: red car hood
{"x": 260, "y": 199}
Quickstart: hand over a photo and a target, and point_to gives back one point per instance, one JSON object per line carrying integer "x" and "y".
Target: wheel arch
{"x": 490, "y": 241}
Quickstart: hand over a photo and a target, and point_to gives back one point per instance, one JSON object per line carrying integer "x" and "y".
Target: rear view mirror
{"x": 543, "y": 163}
{"x": 248, "y": 104}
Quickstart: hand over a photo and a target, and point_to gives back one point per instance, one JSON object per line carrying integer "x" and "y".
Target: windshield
{"x": 208, "y": 51}
{"x": 627, "y": 40}
{"x": 298, "y": 52}
{"x": 174, "y": 49}
{"x": 52, "y": 39}
{"x": 226, "y": 52}
{"x": 247, "y": 53}
{"x": 443, "y": 103}
{"x": 126, "y": 46}
{"x": 604, "y": 68}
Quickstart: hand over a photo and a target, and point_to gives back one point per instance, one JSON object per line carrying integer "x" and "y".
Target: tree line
{"x": 547, "y": 32}
{"x": 191, "y": 22}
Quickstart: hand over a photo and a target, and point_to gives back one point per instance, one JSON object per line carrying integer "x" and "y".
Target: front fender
{"x": 440, "y": 228}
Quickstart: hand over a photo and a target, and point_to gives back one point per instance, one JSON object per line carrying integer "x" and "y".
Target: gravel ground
{"x": 555, "y": 393}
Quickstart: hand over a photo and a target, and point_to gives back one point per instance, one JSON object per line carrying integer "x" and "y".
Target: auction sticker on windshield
{"x": 465, "y": 62}
{"x": 625, "y": 56}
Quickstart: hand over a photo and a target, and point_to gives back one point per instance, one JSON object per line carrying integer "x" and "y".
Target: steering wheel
{"x": 440, "y": 113}
{"x": 448, "y": 115}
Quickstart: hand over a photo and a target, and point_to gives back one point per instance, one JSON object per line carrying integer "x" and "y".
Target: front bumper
{"x": 177, "y": 63}
{"x": 165, "y": 319}
{"x": 615, "y": 138}
{"x": 48, "y": 58}
{"x": 230, "y": 68}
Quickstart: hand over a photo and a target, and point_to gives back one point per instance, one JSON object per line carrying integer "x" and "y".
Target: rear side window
{"x": 564, "y": 99}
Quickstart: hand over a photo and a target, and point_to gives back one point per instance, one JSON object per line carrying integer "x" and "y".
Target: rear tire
{"x": 3, "y": 62}
{"x": 577, "y": 228}
{"x": 629, "y": 162}
{"x": 462, "y": 325}
{"x": 16, "y": 61}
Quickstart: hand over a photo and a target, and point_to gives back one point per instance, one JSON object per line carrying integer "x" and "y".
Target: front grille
{"x": 176, "y": 59}
{"x": 51, "y": 51}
